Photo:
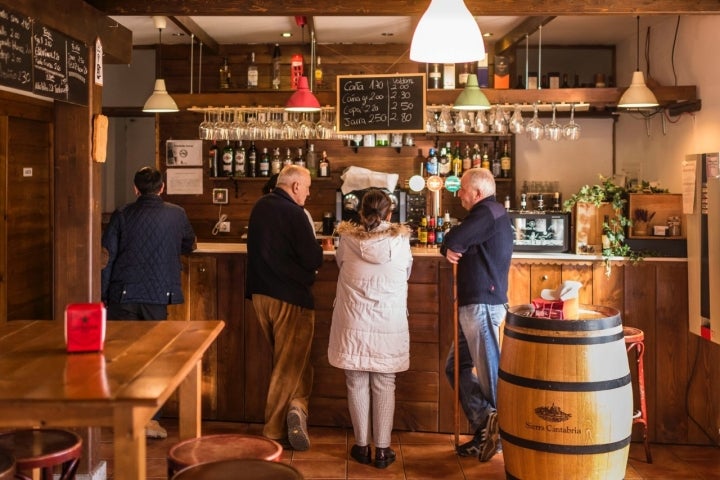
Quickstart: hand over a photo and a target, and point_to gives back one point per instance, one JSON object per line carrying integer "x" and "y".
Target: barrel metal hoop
{"x": 565, "y": 449}
{"x": 556, "y": 386}
{"x": 563, "y": 340}
{"x": 565, "y": 325}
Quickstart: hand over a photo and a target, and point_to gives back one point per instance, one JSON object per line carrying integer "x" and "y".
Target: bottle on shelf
{"x": 324, "y": 166}
{"x": 239, "y": 165}
{"x": 264, "y": 163}
{"x": 523, "y": 202}
{"x": 507, "y": 202}
{"x": 565, "y": 83}
{"x": 311, "y": 162}
{"x": 467, "y": 161}
{"x": 495, "y": 164}
{"x": 214, "y": 160}
{"x": 318, "y": 73}
{"x": 505, "y": 162}
{"x": 444, "y": 160}
{"x": 476, "y": 157}
{"x": 276, "y": 162}
{"x": 485, "y": 158}
{"x": 225, "y": 75}
{"x": 435, "y": 77}
{"x": 287, "y": 160}
{"x": 276, "y": 67}
{"x": 431, "y": 232}
{"x": 431, "y": 166}
{"x": 463, "y": 75}
{"x": 252, "y": 160}
{"x": 439, "y": 231}
{"x": 520, "y": 85}
{"x": 300, "y": 158}
{"x": 457, "y": 161}
{"x": 228, "y": 157}
{"x": 422, "y": 232}
{"x": 252, "y": 72}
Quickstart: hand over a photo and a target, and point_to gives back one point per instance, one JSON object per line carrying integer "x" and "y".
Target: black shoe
{"x": 384, "y": 457}
{"x": 490, "y": 437}
{"x": 471, "y": 448}
{"x": 361, "y": 454}
{"x": 297, "y": 429}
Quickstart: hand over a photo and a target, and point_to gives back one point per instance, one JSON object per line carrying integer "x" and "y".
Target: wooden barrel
{"x": 564, "y": 396}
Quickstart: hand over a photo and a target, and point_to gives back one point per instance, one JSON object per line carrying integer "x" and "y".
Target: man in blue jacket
{"x": 143, "y": 243}
{"x": 481, "y": 246}
{"x": 283, "y": 258}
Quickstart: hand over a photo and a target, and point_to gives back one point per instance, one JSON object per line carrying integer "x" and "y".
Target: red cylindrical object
{"x": 296, "y": 70}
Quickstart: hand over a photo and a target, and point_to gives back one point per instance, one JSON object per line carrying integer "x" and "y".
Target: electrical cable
{"x": 672, "y": 54}
{"x": 221, "y": 218}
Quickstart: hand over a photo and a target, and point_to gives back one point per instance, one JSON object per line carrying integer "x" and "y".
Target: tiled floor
{"x": 426, "y": 456}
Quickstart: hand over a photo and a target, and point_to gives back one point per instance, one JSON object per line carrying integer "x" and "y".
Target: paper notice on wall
{"x": 184, "y": 181}
{"x": 688, "y": 186}
{"x": 181, "y": 153}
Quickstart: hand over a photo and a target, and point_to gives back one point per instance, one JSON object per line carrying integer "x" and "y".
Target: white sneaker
{"x": 154, "y": 430}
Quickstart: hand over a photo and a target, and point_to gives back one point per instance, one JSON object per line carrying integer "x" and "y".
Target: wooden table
{"x": 122, "y": 387}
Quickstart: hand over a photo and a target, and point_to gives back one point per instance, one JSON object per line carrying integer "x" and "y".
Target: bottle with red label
{"x": 296, "y": 70}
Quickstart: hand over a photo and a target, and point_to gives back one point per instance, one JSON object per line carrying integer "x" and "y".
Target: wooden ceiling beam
{"x": 404, "y": 8}
{"x": 189, "y": 26}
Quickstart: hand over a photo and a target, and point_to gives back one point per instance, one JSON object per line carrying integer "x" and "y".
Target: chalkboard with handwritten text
{"x": 15, "y": 50}
{"x": 35, "y": 58}
{"x": 381, "y": 103}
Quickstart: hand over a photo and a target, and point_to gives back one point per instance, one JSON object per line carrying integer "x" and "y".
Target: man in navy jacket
{"x": 283, "y": 258}
{"x": 482, "y": 249}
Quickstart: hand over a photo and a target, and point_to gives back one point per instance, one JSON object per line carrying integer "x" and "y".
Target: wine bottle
{"x": 300, "y": 158}
{"x": 239, "y": 166}
{"x": 225, "y": 76}
{"x": 505, "y": 162}
{"x": 318, "y": 73}
{"x": 324, "y": 167}
{"x": 228, "y": 155}
{"x": 252, "y": 160}
{"x": 214, "y": 160}
{"x": 252, "y": 72}
{"x": 311, "y": 161}
{"x": 288, "y": 160}
{"x": 264, "y": 163}
{"x": 276, "y": 163}
{"x": 422, "y": 232}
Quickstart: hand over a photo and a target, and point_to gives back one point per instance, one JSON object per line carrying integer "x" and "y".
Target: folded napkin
{"x": 358, "y": 178}
{"x": 567, "y": 290}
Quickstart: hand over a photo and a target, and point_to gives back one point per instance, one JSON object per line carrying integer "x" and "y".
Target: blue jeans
{"x": 479, "y": 348}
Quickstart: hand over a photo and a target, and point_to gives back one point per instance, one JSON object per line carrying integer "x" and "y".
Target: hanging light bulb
{"x": 160, "y": 101}
{"x": 638, "y": 95}
{"x": 447, "y": 33}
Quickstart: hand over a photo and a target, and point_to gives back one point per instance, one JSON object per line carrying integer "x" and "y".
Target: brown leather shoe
{"x": 384, "y": 457}
{"x": 361, "y": 454}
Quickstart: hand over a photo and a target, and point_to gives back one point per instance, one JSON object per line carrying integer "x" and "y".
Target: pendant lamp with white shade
{"x": 447, "y": 33}
{"x": 160, "y": 101}
{"x": 638, "y": 95}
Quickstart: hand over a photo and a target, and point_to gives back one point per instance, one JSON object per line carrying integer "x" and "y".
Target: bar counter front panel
{"x": 650, "y": 295}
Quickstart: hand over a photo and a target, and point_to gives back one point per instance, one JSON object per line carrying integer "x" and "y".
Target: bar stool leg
{"x": 641, "y": 416}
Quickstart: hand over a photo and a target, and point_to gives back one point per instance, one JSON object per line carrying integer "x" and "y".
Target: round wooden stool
{"x": 7, "y": 465}
{"x": 239, "y": 468}
{"x": 635, "y": 340}
{"x": 211, "y": 448}
{"x": 44, "y": 449}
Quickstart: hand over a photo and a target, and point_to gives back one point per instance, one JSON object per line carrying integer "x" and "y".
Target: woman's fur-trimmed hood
{"x": 376, "y": 246}
{"x": 384, "y": 229}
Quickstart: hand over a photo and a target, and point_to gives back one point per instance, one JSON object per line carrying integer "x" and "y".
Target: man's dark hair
{"x": 148, "y": 181}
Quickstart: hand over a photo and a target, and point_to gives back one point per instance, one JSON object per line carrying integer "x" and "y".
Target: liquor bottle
{"x": 288, "y": 160}
{"x": 252, "y": 72}
{"x": 439, "y": 232}
{"x": 520, "y": 85}
{"x": 449, "y": 76}
{"x": 565, "y": 83}
{"x": 507, "y": 202}
{"x": 276, "y": 67}
{"x": 505, "y": 162}
{"x": 228, "y": 157}
{"x": 422, "y": 232}
{"x": 311, "y": 162}
{"x": 239, "y": 165}
{"x": 252, "y": 160}
{"x": 276, "y": 162}
{"x": 318, "y": 73}
{"x": 444, "y": 161}
{"x": 476, "y": 157}
{"x": 431, "y": 232}
{"x": 457, "y": 161}
{"x": 435, "y": 76}
{"x": 523, "y": 202}
{"x": 495, "y": 166}
{"x": 324, "y": 167}
{"x": 431, "y": 166}
{"x": 463, "y": 76}
{"x": 264, "y": 164}
{"x": 485, "y": 158}
{"x": 225, "y": 76}
{"x": 214, "y": 160}
{"x": 467, "y": 161}
{"x": 300, "y": 159}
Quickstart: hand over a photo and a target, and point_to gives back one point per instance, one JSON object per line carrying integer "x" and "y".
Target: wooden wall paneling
{"x": 608, "y": 291}
{"x": 671, "y": 320}
{"x": 639, "y": 312}
{"x": 29, "y": 216}
{"x": 4, "y": 147}
{"x": 544, "y": 276}
{"x": 580, "y": 273}
{"x": 703, "y": 384}
{"x": 519, "y": 284}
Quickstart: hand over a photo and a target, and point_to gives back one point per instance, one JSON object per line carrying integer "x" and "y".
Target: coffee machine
{"x": 347, "y": 206}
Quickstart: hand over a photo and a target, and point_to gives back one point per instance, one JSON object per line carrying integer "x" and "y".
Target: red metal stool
{"x": 43, "y": 449}
{"x": 7, "y": 465}
{"x": 212, "y": 448}
{"x": 233, "y": 469}
{"x": 635, "y": 339}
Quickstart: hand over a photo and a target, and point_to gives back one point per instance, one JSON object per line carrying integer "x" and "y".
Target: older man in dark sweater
{"x": 283, "y": 257}
{"x": 482, "y": 249}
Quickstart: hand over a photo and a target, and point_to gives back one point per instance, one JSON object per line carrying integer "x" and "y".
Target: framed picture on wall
{"x": 183, "y": 153}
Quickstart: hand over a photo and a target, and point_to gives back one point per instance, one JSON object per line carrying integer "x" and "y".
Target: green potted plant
{"x": 613, "y": 227}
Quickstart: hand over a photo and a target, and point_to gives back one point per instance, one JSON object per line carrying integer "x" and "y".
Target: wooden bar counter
{"x": 651, "y": 295}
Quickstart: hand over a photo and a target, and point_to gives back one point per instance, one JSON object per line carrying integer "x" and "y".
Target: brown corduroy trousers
{"x": 289, "y": 329}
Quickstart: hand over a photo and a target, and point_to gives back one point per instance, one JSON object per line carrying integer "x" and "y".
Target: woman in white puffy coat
{"x": 369, "y": 336}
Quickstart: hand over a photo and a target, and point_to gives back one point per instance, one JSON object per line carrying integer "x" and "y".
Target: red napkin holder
{"x": 85, "y": 327}
{"x": 557, "y": 309}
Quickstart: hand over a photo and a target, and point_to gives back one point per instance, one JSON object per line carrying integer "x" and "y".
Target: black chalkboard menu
{"x": 15, "y": 50}
{"x": 381, "y": 103}
{"x": 38, "y": 59}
